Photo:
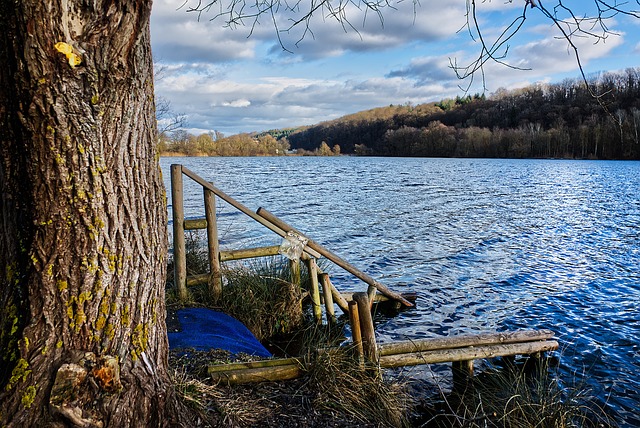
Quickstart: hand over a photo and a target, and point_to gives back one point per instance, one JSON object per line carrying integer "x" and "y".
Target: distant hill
{"x": 563, "y": 120}
{"x": 279, "y": 133}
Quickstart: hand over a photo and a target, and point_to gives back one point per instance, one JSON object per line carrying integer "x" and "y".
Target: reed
{"x": 523, "y": 395}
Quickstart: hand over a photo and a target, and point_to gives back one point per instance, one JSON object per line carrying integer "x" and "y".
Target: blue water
{"x": 487, "y": 244}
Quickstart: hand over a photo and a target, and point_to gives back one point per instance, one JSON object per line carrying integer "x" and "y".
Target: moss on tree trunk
{"x": 83, "y": 218}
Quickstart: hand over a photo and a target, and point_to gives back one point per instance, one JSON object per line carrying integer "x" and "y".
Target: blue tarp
{"x": 204, "y": 329}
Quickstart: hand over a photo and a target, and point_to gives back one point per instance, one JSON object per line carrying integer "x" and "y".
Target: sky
{"x": 266, "y": 75}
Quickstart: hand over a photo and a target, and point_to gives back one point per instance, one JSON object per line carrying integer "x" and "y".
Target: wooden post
{"x": 356, "y": 335}
{"x": 294, "y": 267}
{"x": 535, "y": 362}
{"x": 312, "y": 267}
{"x": 179, "y": 250}
{"x": 335, "y": 294}
{"x": 462, "y": 374}
{"x": 369, "y": 345}
{"x": 328, "y": 298}
{"x": 371, "y": 293}
{"x": 212, "y": 240}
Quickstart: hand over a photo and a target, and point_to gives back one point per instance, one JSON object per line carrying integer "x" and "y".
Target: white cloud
{"x": 178, "y": 36}
{"x": 237, "y": 103}
{"x": 230, "y": 106}
{"x": 225, "y": 81}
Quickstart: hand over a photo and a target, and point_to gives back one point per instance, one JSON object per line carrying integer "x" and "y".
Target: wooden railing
{"x": 312, "y": 250}
{"x": 460, "y": 350}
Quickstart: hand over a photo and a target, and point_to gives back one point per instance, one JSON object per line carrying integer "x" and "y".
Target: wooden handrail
{"x": 263, "y": 213}
{"x": 240, "y": 207}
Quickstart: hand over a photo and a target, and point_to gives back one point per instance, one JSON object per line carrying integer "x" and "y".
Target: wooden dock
{"x": 460, "y": 351}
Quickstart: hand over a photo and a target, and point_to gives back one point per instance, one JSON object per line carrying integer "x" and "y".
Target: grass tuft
{"x": 263, "y": 298}
{"x": 524, "y": 395}
{"x": 344, "y": 386}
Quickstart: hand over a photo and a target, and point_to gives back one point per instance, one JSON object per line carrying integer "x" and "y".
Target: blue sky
{"x": 241, "y": 80}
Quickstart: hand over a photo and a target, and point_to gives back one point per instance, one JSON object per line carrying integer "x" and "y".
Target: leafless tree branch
{"x": 241, "y": 12}
{"x": 570, "y": 26}
{"x": 168, "y": 120}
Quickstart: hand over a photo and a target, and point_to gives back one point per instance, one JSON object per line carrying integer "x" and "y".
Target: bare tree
{"x": 167, "y": 118}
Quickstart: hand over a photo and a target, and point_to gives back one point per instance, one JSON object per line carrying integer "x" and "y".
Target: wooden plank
{"x": 420, "y": 345}
{"x": 240, "y": 207}
{"x": 195, "y": 223}
{"x": 337, "y": 297}
{"x": 249, "y": 253}
{"x": 193, "y": 280}
{"x": 252, "y": 364}
{"x": 262, "y": 374}
{"x": 179, "y": 248}
{"x": 336, "y": 259}
{"x": 467, "y": 353}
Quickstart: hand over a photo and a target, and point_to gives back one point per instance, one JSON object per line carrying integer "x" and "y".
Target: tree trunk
{"x": 83, "y": 240}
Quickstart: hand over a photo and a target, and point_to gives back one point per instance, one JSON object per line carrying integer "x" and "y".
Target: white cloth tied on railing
{"x": 293, "y": 245}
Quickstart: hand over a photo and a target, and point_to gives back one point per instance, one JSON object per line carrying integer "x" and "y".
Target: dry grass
{"x": 337, "y": 390}
{"x": 526, "y": 395}
{"x": 263, "y": 298}
{"x": 359, "y": 392}
{"x": 217, "y": 406}
{"x": 346, "y": 387}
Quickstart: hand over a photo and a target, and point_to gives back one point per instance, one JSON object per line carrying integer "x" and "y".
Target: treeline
{"x": 563, "y": 120}
{"x": 182, "y": 143}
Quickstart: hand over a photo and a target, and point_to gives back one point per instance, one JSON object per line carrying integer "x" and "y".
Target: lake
{"x": 488, "y": 245}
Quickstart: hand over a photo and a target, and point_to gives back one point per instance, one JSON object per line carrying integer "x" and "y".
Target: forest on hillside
{"x": 562, "y": 120}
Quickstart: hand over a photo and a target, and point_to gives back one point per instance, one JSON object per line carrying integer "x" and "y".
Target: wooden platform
{"x": 459, "y": 350}
{"x": 466, "y": 348}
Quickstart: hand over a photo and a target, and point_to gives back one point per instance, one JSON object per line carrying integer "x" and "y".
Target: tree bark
{"x": 83, "y": 240}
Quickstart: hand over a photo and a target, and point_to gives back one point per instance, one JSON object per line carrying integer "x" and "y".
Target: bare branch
{"x": 569, "y": 24}
{"x": 168, "y": 120}
{"x": 495, "y": 51}
{"x": 241, "y": 12}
